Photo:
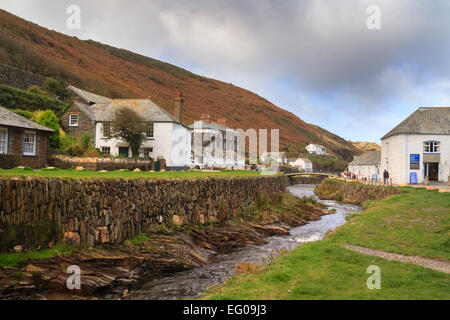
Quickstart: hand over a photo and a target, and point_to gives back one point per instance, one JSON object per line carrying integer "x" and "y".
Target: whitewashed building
{"x": 316, "y": 149}
{"x": 418, "y": 149}
{"x": 302, "y": 164}
{"x": 214, "y": 145}
{"x": 166, "y": 136}
{"x": 279, "y": 157}
{"x": 367, "y": 166}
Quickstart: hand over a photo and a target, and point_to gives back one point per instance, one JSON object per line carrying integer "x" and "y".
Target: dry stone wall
{"x": 95, "y": 212}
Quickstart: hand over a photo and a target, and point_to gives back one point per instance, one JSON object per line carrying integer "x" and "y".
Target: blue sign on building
{"x": 413, "y": 178}
{"x": 414, "y": 157}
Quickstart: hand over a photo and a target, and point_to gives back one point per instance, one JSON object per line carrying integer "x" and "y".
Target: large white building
{"x": 316, "y": 149}
{"x": 367, "y": 166}
{"x": 166, "y": 136}
{"x": 214, "y": 145}
{"x": 418, "y": 148}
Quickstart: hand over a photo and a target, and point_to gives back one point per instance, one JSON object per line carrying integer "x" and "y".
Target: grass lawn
{"x": 415, "y": 223}
{"x": 13, "y": 259}
{"x": 73, "y": 174}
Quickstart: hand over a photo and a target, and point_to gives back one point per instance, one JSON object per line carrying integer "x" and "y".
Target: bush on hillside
{"x": 13, "y": 98}
{"x": 48, "y": 119}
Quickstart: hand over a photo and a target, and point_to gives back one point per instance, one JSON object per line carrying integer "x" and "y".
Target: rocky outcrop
{"x": 353, "y": 192}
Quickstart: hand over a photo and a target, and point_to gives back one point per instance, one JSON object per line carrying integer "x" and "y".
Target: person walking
{"x": 386, "y": 177}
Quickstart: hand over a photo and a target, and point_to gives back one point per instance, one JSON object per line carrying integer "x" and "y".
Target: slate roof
{"x": 104, "y": 109}
{"x": 212, "y": 125}
{"x": 424, "y": 121}
{"x": 11, "y": 119}
{"x": 89, "y": 97}
{"x": 367, "y": 159}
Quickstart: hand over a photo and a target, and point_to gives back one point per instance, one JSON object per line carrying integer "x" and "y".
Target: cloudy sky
{"x": 314, "y": 58}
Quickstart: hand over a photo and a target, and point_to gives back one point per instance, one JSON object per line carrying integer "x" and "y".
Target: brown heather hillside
{"x": 119, "y": 73}
{"x": 367, "y": 146}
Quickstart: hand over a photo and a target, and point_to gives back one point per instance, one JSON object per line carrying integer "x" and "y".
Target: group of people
{"x": 346, "y": 174}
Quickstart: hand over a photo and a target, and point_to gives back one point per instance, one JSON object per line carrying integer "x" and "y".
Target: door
{"x": 123, "y": 151}
{"x": 433, "y": 171}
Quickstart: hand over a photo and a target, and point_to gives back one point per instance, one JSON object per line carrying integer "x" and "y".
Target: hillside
{"x": 118, "y": 73}
{"x": 366, "y": 146}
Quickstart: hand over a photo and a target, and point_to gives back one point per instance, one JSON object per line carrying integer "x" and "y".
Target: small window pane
{"x": 106, "y": 150}
{"x": 73, "y": 120}
{"x": 29, "y": 143}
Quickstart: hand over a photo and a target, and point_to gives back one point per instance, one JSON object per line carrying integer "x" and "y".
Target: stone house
{"x": 302, "y": 164}
{"x": 367, "y": 166}
{"x": 166, "y": 137}
{"x": 316, "y": 149}
{"x": 215, "y": 145}
{"x": 22, "y": 141}
{"x": 418, "y": 149}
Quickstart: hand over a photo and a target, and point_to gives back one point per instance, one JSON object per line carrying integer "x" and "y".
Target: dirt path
{"x": 437, "y": 265}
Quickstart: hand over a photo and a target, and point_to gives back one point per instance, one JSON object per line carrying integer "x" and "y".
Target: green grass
{"x": 13, "y": 259}
{"x": 414, "y": 223}
{"x": 139, "y": 239}
{"x": 73, "y": 174}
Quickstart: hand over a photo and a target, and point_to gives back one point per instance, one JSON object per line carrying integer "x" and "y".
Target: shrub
{"x": 56, "y": 88}
{"x": 86, "y": 141}
{"x": 92, "y": 153}
{"x": 48, "y": 119}
{"x": 339, "y": 198}
{"x": 23, "y": 113}
{"x": 37, "y": 89}
{"x": 76, "y": 150}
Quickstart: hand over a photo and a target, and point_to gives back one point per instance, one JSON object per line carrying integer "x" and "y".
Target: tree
{"x": 56, "y": 88}
{"x": 129, "y": 126}
{"x": 48, "y": 119}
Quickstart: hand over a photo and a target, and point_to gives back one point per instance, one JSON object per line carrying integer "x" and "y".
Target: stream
{"x": 191, "y": 283}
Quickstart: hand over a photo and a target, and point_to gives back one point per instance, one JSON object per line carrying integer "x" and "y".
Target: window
{"x": 431, "y": 146}
{"x": 149, "y": 132}
{"x": 106, "y": 129}
{"x": 29, "y": 143}
{"x": 387, "y": 150}
{"x": 106, "y": 150}
{"x": 73, "y": 120}
{"x": 3, "y": 141}
{"x": 147, "y": 152}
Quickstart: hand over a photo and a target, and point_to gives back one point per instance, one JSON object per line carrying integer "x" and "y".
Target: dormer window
{"x": 73, "y": 120}
{"x": 431, "y": 147}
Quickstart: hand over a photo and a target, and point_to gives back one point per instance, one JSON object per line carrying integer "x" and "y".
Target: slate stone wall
{"x": 110, "y": 211}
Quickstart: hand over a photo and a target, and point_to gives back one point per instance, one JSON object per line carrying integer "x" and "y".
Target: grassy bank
{"x": 73, "y": 174}
{"x": 414, "y": 223}
{"x": 13, "y": 259}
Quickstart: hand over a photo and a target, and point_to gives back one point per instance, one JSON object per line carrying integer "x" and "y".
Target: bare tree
{"x": 129, "y": 126}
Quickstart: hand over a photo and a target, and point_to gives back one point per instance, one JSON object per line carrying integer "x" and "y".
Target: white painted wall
{"x": 395, "y": 156}
{"x": 302, "y": 165}
{"x": 314, "y": 149}
{"x": 170, "y": 140}
{"x": 366, "y": 171}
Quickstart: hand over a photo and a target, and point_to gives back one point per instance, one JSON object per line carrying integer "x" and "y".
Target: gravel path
{"x": 438, "y": 265}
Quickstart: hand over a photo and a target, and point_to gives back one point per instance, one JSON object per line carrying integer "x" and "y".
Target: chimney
{"x": 206, "y": 118}
{"x": 179, "y": 107}
{"x": 222, "y": 121}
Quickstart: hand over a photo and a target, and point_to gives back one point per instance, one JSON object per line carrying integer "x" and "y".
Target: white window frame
{"x": 108, "y": 124}
{"x": 6, "y": 140}
{"x": 149, "y": 153}
{"x": 32, "y": 133}
{"x": 432, "y": 145}
{"x": 106, "y": 152}
{"x": 77, "y": 119}
{"x": 152, "y": 127}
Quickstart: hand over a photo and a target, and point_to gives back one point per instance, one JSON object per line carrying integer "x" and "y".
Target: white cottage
{"x": 215, "y": 145}
{"x": 166, "y": 136}
{"x": 302, "y": 164}
{"x": 367, "y": 166}
{"x": 316, "y": 149}
{"x": 418, "y": 149}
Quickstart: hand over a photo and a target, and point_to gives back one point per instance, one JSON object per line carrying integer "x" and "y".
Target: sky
{"x": 317, "y": 59}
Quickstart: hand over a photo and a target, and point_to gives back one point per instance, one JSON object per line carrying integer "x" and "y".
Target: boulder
{"x": 72, "y": 238}
{"x": 18, "y": 249}
{"x": 79, "y": 168}
{"x": 137, "y": 170}
{"x": 179, "y": 220}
